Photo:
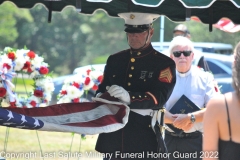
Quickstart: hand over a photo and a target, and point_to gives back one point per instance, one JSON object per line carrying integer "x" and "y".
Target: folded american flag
{"x": 101, "y": 116}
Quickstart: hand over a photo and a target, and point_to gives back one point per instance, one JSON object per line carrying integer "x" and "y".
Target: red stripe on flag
{"x": 58, "y": 109}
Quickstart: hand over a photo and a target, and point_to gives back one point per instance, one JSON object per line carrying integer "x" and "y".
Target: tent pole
{"x": 161, "y": 32}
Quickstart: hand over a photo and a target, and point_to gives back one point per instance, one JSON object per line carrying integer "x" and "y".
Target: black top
{"x": 229, "y": 150}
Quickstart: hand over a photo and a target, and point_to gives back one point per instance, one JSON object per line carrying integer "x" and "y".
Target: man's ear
{"x": 151, "y": 32}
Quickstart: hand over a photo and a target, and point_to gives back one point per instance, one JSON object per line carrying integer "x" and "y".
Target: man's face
{"x": 137, "y": 40}
{"x": 183, "y": 62}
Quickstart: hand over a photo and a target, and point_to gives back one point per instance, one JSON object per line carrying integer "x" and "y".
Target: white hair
{"x": 180, "y": 41}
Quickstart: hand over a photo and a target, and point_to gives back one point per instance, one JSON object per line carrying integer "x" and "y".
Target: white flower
{"x": 5, "y": 103}
{"x": 95, "y": 74}
{"x": 48, "y": 97}
{"x": 37, "y": 62}
{"x": 73, "y": 92}
{"x": 64, "y": 99}
{"x": 19, "y": 63}
{"x": 34, "y": 74}
{"x": 43, "y": 105}
{"x": 48, "y": 87}
{"x": 22, "y": 52}
{"x": 4, "y": 59}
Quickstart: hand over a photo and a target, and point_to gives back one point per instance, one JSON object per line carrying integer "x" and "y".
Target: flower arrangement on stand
{"x": 75, "y": 86}
{"x": 14, "y": 62}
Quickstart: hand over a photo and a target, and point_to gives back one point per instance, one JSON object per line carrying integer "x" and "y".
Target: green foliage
{"x": 10, "y": 16}
{"x": 72, "y": 39}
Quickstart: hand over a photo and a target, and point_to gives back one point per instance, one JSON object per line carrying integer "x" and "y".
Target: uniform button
{"x": 149, "y": 126}
{"x": 140, "y": 96}
{"x": 129, "y": 84}
{"x": 132, "y": 60}
{"x": 114, "y": 75}
{"x": 145, "y": 96}
{"x": 132, "y": 68}
{"x": 138, "y": 53}
{"x": 133, "y": 97}
{"x": 131, "y": 52}
{"x": 144, "y": 80}
{"x": 130, "y": 75}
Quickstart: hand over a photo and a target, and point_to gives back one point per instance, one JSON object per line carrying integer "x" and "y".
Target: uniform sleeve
{"x": 158, "y": 94}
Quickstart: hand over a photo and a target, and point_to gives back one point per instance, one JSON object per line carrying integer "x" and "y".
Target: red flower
{"x": 38, "y": 93}
{"x": 88, "y": 72}
{"x": 3, "y": 92}
{"x": 29, "y": 70}
{"x": 43, "y": 70}
{"x": 76, "y": 100}
{"x": 87, "y": 81}
{"x": 27, "y": 65}
{"x": 31, "y": 54}
{"x": 95, "y": 87}
{"x": 76, "y": 84}
{"x": 100, "y": 78}
{"x": 33, "y": 103}
{"x": 216, "y": 89}
{"x": 11, "y": 55}
{"x": 6, "y": 65}
{"x": 64, "y": 92}
{"x": 13, "y": 104}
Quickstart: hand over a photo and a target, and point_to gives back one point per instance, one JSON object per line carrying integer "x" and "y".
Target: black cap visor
{"x": 136, "y": 28}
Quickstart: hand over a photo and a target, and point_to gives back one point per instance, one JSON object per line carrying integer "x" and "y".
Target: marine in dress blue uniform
{"x": 149, "y": 77}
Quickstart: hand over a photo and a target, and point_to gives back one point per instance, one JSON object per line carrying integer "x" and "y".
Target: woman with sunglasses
{"x": 198, "y": 86}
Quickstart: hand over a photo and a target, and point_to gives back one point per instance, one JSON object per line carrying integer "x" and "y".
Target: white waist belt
{"x": 143, "y": 112}
{"x": 155, "y": 114}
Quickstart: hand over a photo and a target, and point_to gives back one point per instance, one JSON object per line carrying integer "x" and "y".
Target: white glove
{"x": 119, "y": 92}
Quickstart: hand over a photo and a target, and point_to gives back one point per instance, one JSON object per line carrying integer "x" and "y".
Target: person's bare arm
{"x": 211, "y": 131}
{"x": 183, "y": 121}
{"x": 168, "y": 117}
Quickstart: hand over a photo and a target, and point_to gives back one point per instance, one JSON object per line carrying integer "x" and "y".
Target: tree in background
{"x": 73, "y": 39}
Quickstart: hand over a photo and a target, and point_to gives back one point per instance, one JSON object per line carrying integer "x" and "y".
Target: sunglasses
{"x": 179, "y": 53}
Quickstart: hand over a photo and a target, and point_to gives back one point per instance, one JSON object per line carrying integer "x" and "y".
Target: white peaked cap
{"x": 135, "y": 18}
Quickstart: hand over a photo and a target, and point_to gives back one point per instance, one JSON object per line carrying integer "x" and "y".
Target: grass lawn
{"x": 54, "y": 145}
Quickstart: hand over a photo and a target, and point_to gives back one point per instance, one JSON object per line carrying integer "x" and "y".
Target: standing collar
{"x": 141, "y": 52}
{"x": 184, "y": 74}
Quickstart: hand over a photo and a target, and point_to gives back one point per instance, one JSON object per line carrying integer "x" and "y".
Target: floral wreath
{"x": 15, "y": 61}
{"x": 75, "y": 86}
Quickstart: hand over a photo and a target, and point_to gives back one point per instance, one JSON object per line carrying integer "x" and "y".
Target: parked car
{"x": 210, "y": 47}
{"x": 221, "y": 67}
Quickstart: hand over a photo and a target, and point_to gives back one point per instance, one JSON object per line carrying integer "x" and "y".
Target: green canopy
{"x": 208, "y": 11}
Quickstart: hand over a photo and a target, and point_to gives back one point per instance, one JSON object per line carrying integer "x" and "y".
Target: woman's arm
{"x": 211, "y": 130}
